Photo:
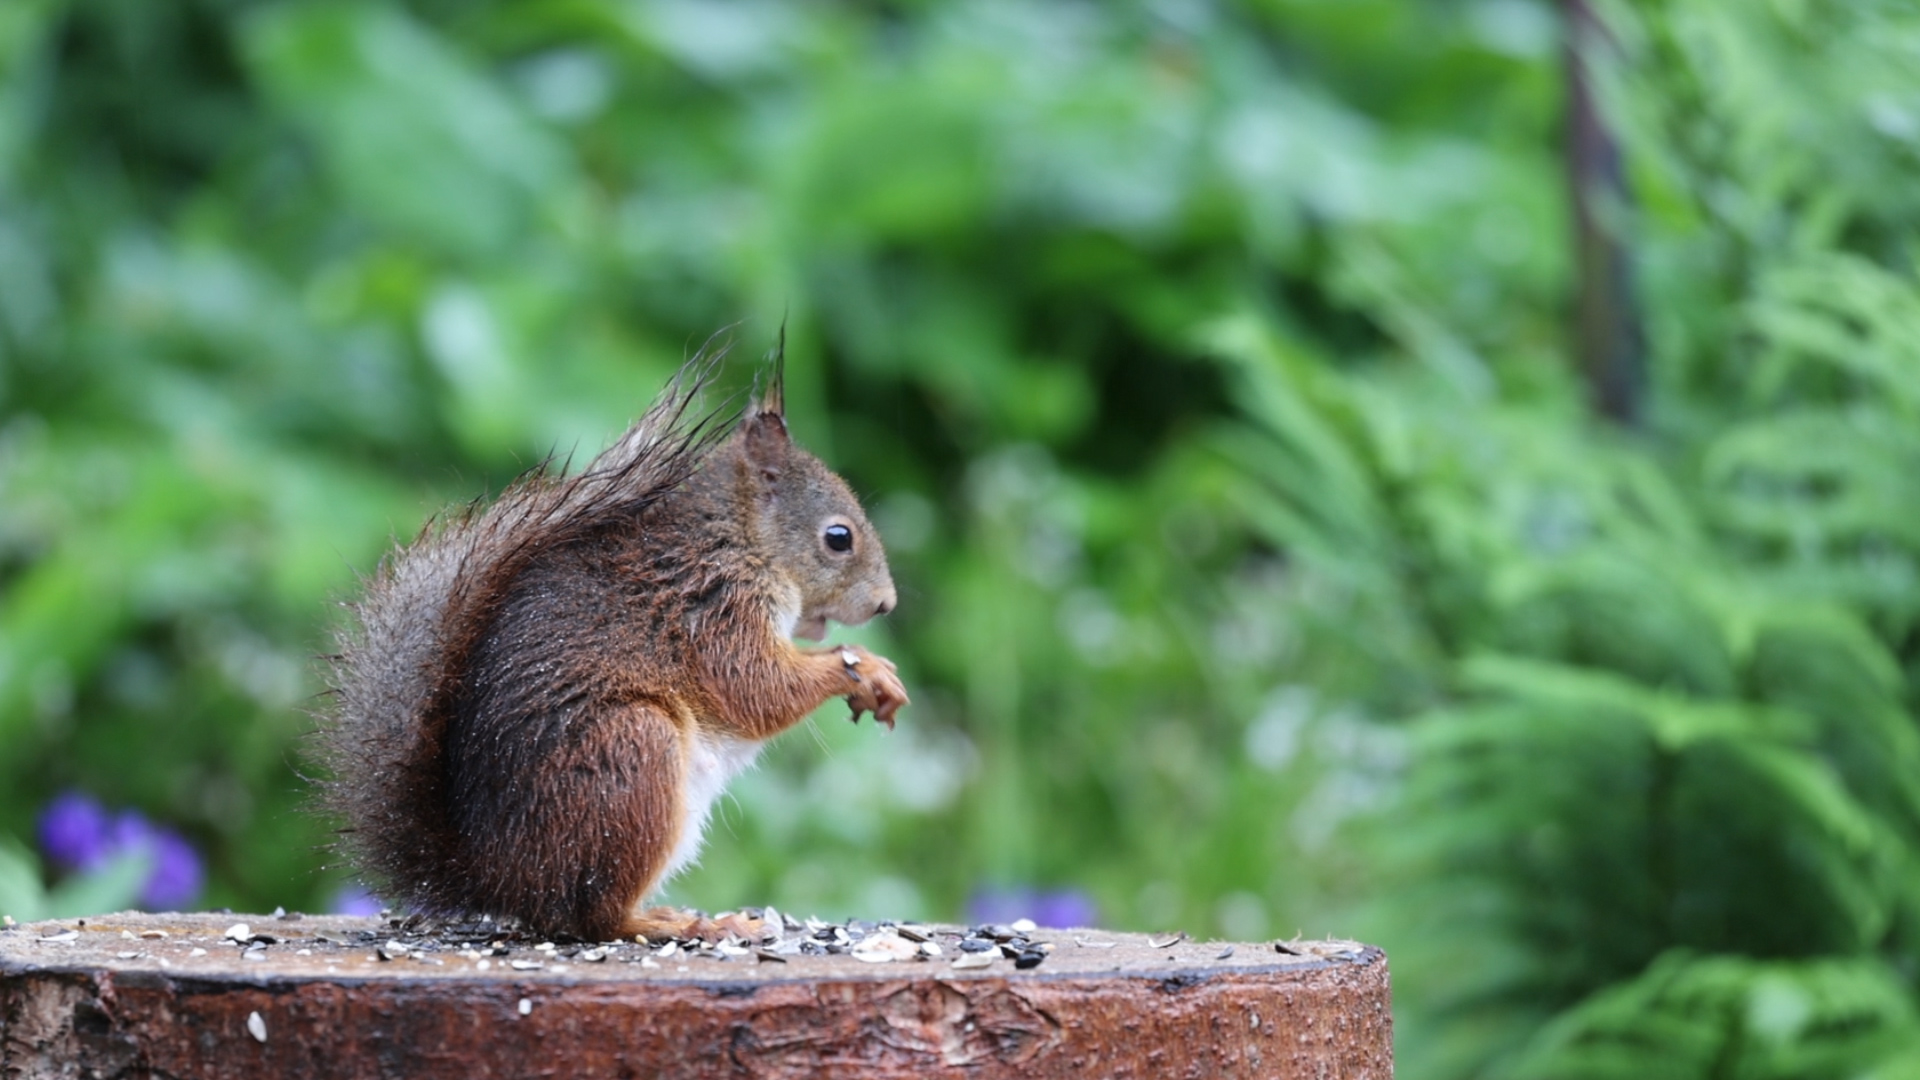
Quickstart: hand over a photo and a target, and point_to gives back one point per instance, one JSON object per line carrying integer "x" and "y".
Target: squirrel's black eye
{"x": 838, "y": 538}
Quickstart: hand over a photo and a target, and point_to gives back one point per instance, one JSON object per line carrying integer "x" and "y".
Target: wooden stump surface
{"x": 136, "y": 995}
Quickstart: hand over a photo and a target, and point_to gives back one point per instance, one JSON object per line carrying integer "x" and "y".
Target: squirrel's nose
{"x": 887, "y": 600}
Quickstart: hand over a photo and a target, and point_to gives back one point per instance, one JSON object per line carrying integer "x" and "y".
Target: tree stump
{"x": 137, "y": 995}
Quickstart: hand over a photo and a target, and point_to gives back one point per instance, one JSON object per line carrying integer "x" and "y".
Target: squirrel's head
{"x": 810, "y": 524}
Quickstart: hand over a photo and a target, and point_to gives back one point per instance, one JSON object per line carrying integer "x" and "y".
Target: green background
{"x": 1206, "y": 368}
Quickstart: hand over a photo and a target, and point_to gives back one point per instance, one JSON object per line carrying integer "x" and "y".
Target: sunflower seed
{"x": 884, "y": 947}
{"x": 524, "y": 965}
{"x": 1224, "y": 953}
{"x": 64, "y": 935}
{"x": 1023, "y": 926}
{"x": 256, "y": 1027}
{"x": 975, "y": 960}
{"x": 1170, "y": 940}
{"x": 593, "y": 956}
{"x": 525, "y": 1007}
{"x": 238, "y": 932}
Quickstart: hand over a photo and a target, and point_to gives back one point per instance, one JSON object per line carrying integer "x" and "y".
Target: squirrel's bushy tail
{"x": 401, "y": 660}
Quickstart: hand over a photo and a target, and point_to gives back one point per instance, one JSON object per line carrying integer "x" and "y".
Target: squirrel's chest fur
{"x": 712, "y": 760}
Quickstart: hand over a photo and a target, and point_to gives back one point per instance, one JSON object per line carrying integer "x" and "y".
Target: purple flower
{"x": 176, "y": 876}
{"x": 1056, "y": 908}
{"x": 79, "y": 835}
{"x": 75, "y": 832}
{"x": 354, "y": 900}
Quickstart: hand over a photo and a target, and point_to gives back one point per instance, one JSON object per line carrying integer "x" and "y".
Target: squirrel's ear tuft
{"x": 773, "y": 396}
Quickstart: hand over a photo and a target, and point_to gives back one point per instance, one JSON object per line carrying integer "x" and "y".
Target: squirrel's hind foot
{"x": 664, "y": 924}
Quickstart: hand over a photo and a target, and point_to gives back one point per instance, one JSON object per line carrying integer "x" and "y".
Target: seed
{"x": 768, "y": 956}
{"x": 127, "y": 955}
{"x": 256, "y": 1027}
{"x": 1029, "y": 958}
{"x": 392, "y": 950}
{"x": 1169, "y": 940}
{"x": 238, "y": 932}
{"x": 1023, "y": 926}
{"x": 198, "y": 952}
{"x": 64, "y": 935}
{"x": 526, "y": 1007}
{"x": 153, "y": 934}
{"x": 593, "y": 956}
{"x": 524, "y": 965}
{"x": 884, "y": 947}
{"x": 974, "y": 960}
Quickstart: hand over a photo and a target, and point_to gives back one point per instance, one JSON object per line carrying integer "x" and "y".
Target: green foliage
{"x": 1262, "y": 566}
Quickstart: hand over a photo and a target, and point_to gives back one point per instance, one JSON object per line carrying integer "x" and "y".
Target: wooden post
{"x": 176, "y": 996}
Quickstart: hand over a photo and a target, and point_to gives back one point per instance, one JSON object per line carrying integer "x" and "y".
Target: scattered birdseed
{"x": 1029, "y": 958}
{"x": 976, "y": 959}
{"x": 153, "y": 934}
{"x": 392, "y": 950}
{"x": 1085, "y": 944}
{"x": 524, "y": 965}
{"x": 769, "y": 956}
{"x": 127, "y": 955}
{"x": 526, "y": 1007}
{"x": 198, "y": 952}
{"x": 256, "y": 1027}
{"x": 483, "y": 964}
{"x": 1168, "y": 941}
{"x": 7, "y": 921}
{"x": 1023, "y": 926}
{"x": 64, "y": 935}
{"x": 928, "y": 948}
{"x": 279, "y": 912}
{"x": 238, "y": 932}
{"x": 1283, "y": 947}
{"x": 649, "y": 962}
{"x": 593, "y": 956}
{"x": 255, "y": 952}
{"x": 1224, "y": 953}
{"x": 128, "y": 934}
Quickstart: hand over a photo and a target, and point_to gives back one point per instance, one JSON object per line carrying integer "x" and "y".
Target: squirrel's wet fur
{"x": 528, "y": 688}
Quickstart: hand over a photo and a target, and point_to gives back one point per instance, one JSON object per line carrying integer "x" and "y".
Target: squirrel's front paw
{"x": 877, "y": 689}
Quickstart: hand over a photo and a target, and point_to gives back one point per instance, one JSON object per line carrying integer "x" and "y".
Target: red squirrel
{"x": 539, "y": 700}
